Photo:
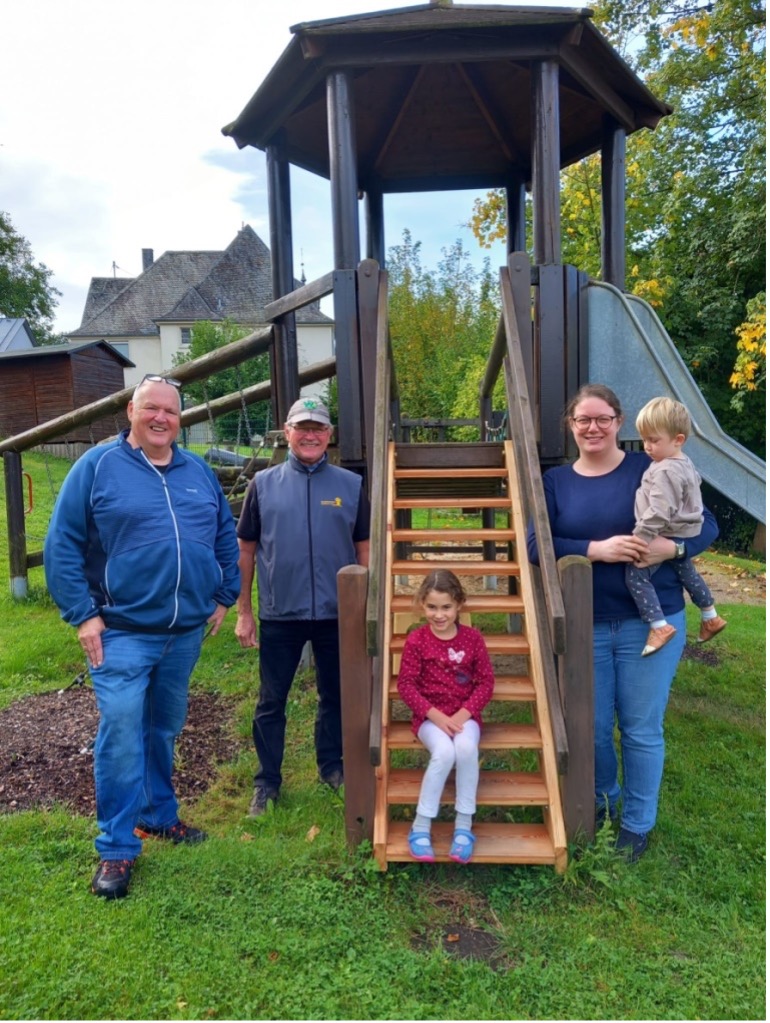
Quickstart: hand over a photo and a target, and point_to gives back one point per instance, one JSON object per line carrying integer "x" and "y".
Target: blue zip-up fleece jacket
{"x": 306, "y": 524}
{"x": 148, "y": 549}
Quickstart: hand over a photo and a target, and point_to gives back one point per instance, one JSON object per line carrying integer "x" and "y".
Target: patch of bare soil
{"x": 46, "y": 749}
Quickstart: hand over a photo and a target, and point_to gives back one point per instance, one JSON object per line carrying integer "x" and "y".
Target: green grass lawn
{"x": 275, "y": 919}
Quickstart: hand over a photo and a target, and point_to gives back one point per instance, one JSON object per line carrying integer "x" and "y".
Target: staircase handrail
{"x": 528, "y": 467}
{"x": 385, "y": 400}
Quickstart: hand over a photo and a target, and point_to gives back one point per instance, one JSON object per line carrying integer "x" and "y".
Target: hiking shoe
{"x": 630, "y": 844}
{"x": 334, "y": 780}
{"x": 112, "y": 878}
{"x": 179, "y": 833}
{"x": 657, "y": 638}
{"x": 710, "y": 627}
{"x": 260, "y": 800}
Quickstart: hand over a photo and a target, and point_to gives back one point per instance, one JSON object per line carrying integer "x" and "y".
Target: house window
{"x": 122, "y": 347}
{"x": 186, "y": 331}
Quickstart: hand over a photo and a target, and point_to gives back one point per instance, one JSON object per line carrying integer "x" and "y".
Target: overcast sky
{"x": 110, "y": 137}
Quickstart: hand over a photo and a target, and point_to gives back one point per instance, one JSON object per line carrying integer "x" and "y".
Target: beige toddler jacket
{"x": 668, "y": 501}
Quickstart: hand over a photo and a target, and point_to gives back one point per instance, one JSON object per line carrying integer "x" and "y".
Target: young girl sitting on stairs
{"x": 446, "y": 680}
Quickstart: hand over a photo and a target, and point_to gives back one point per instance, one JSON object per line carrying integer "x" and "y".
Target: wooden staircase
{"x": 519, "y": 817}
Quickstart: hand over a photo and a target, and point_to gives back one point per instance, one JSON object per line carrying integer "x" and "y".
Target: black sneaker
{"x": 179, "y": 833}
{"x": 260, "y": 800}
{"x": 112, "y": 878}
{"x": 630, "y": 844}
{"x": 334, "y": 780}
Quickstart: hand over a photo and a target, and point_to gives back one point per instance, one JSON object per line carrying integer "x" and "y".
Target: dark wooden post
{"x": 285, "y": 362}
{"x": 545, "y": 162}
{"x": 14, "y": 510}
{"x": 344, "y": 186}
{"x": 356, "y": 692}
{"x": 576, "y": 682}
{"x": 614, "y": 204}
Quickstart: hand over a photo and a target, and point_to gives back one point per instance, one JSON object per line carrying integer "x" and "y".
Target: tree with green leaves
{"x": 240, "y": 426}
{"x": 25, "y": 286}
{"x": 442, "y": 323}
{"x": 695, "y": 208}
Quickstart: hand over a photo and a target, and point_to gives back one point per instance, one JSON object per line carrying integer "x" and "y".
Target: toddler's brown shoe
{"x": 710, "y": 627}
{"x": 657, "y": 638}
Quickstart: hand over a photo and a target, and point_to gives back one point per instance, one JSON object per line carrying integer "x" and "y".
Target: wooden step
{"x": 475, "y": 603}
{"x": 453, "y": 535}
{"x": 501, "y": 643}
{"x": 468, "y": 501}
{"x": 496, "y": 788}
{"x": 473, "y": 566}
{"x": 495, "y": 843}
{"x": 448, "y": 473}
{"x": 495, "y": 735}
{"x": 451, "y": 455}
{"x": 508, "y": 689}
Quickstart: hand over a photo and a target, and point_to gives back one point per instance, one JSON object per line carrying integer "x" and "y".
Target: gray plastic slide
{"x": 630, "y": 351}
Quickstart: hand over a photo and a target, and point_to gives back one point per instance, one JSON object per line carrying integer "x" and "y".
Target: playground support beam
{"x": 284, "y": 363}
{"x": 17, "y": 540}
{"x": 614, "y": 204}
{"x": 344, "y": 188}
{"x": 545, "y": 162}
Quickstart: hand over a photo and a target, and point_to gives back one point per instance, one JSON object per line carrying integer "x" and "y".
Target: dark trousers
{"x": 280, "y": 651}
{"x": 639, "y": 583}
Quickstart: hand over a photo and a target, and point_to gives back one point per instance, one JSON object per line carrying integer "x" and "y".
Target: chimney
{"x": 147, "y": 259}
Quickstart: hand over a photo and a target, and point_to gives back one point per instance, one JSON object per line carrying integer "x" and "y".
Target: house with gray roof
{"x": 149, "y": 318}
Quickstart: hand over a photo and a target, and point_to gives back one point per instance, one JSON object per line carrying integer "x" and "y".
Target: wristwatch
{"x": 681, "y": 550}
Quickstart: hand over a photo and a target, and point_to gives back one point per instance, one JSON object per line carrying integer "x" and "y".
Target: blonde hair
{"x": 664, "y": 415}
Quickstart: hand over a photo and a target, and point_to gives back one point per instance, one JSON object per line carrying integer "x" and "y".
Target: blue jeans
{"x": 634, "y": 690}
{"x": 141, "y": 692}
{"x": 280, "y": 650}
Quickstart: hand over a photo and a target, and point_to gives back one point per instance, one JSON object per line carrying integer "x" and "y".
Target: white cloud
{"x": 112, "y": 140}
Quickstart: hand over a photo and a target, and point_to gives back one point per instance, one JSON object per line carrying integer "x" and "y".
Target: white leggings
{"x": 460, "y": 752}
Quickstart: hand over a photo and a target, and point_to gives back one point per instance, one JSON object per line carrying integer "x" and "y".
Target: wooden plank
{"x": 356, "y": 695}
{"x": 458, "y": 567}
{"x": 300, "y": 297}
{"x": 508, "y": 688}
{"x": 495, "y": 735}
{"x": 495, "y": 843}
{"x": 551, "y": 349}
{"x": 451, "y": 534}
{"x": 454, "y": 474}
{"x": 451, "y": 502}
{"x": 577, "y": 692}
{"x": 436, "y": 456}
{"x": 510, "y": 643}
{"x": 496, "y": 788}
{"x": 475, "y": 603}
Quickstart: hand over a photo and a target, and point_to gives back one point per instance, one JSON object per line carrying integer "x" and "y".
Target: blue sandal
{"x": 462, "y": 846}
{"x": 420, "y": 847}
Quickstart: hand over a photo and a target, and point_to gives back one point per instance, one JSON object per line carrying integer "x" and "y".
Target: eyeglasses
{"x": 313, "y": 428}
{"x": 583, "y": 422}
{"x": 155, "y": 378}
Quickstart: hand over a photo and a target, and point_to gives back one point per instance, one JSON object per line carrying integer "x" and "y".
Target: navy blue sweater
{"x": 585, "y": 508}
{"x": 148, "y": 550}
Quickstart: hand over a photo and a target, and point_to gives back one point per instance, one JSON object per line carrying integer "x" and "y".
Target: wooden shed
{"x": 39, "y": 384}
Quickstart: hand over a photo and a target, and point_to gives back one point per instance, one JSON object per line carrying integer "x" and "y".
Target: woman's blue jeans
{"x": 634, "y": 691}
{"x": 141, "y": 692}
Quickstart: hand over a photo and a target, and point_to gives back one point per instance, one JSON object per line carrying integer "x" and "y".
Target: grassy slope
{"x": 262, "y": 922}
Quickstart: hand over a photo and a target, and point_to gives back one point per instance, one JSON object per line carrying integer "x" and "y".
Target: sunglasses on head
{"x": 155, "y": 378}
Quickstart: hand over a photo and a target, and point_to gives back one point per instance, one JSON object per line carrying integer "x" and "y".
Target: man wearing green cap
{"x": 302, "y": 521}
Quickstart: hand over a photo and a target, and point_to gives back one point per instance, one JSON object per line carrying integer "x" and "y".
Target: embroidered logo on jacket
{"x": 336, "y": 503}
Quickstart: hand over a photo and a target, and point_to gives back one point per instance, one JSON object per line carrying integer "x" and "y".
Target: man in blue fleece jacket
{"x": 140, "y": 555}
